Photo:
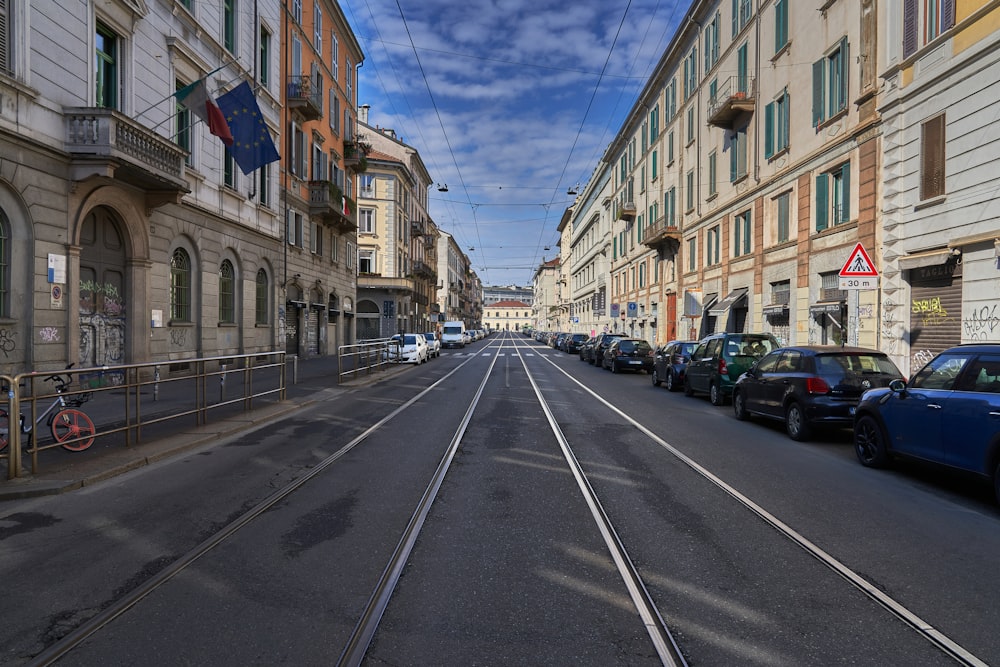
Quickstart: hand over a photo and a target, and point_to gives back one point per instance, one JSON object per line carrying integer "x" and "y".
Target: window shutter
{"x": 947, "y": 14}
{"x": 932, "y": 158}
{"x": 769, "y": 130}
{"x": 736, "y": 18}
{"x": 6, "y": 62}
{"x": 845, "y": 69}
{"x": 845, "y": 195}
{"x": 822, "y": 202}
{"x": 909, "y": 28}
{"x": 818, "y": 86}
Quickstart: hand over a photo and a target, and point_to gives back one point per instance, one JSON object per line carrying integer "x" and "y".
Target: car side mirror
{"x": 897, "y": 386}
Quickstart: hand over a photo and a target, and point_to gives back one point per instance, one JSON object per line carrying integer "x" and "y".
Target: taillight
{"x": 723, "y": 368}
{"x": 816, "y": 385}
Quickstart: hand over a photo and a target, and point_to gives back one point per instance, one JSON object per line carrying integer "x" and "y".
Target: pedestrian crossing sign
{"x": 859, "y": 265}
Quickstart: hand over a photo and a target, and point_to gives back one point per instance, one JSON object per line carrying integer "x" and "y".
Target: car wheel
{"x": 739, "y": 406}
{"x": 656, "y": 378}
{"x": 671, "y": 385}
{"x": 870, "y": 444}
{"x": 715, "y": 394}
{"x": 795, "y": 422}
{"x": 688, "y": 389}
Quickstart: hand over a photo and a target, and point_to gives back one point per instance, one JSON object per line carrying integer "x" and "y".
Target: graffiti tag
{"x": 930, "y": 311}
{"x": 49, "y": 334}
{"x": 982, "y": 323}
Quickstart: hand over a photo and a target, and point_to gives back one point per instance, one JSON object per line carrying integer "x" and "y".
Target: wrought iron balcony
{"x": 660, "y": 233}
{"x": 302, "y": 96}
{"x": 328, "y": 203}
{"x": 423, "y": 269}
{"x": 379, "y": 282}
{"x": 736, "y": 96}
{"x": 106, "y": 143}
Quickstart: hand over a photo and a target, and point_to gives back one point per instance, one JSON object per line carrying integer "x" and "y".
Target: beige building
{"x": 587, "y": 255}
{"x": 511, "y": 315}
{"x": 546, "y": 310}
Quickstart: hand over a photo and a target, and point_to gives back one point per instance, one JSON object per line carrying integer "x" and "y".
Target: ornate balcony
{"x": 106, "y": 143}
{"x": 736, "y": 96}
{"x": 660, "y": 234}
{"x": 301, "y": 96}
{"x": 375, "y": 281}
{"x": 328, "y": 203}
{"x": 423, "y": 269}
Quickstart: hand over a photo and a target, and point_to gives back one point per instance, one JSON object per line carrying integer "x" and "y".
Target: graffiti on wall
{"x": 929, "y": 311}
{"x": 892, "y": 328}
{"x": 49, "y": 334}
{"x": 102, "y": 324}
{"x": 178, "y": 336}
{"x": 982, "y": 323}
{"x": 7, "y": 343}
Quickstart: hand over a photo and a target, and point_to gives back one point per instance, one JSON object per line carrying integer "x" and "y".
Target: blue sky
{"x": 510, "y": 103}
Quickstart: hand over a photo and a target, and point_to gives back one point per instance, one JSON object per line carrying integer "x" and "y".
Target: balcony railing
{"x": 302, "y": 96}
{"x": 327, "y": 202}
{"x": 105, "y": 142}
{"x": 737, "y": 95}
{"x": 423, "y": 269}
{"x": 660, "y": 233}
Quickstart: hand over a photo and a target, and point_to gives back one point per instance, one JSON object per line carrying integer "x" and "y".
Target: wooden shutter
{"x": 819, "y": 84}
{"x": 910, "y": 28}
{"x": 932, "y": 157}
{"x": 769, "y": 130}
{"x": 6, "y": 61}
{"x": 947, "y": 15}
{"x": 822, "y": 202}
{"x": 845, "y": 193}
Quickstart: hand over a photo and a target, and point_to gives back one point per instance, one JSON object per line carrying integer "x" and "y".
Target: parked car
{"x": 595, "y": 355}
{"x": 811, "y": 385}
{"x": 670, "y": 362}
{"x": 412, "y": 349}
{"x": 433, "y": 344}
{"x": 572, "y": 343}
{"x": 586, "y": 348}
{"x": 632, "y": 354}
{"x": 948, "y": 414}
{"x": 453, "y": 334}
{"x": 720, "y": 359}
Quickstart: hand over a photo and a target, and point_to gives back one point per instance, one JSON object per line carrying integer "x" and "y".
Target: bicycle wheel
{"x": 4, "y": 430}
{"x": 71, "y": 425}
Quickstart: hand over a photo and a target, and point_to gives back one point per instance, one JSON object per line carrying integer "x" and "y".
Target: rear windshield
{"x": 749, "y": 345}
{"x": 633, "y": 346}
{"x": 862, "y": 364}
{"x": 429, "y": 335}
{"x": 579, "y": 337}
{"x": 686, "y": 349}
{"x": 453, "y": 330}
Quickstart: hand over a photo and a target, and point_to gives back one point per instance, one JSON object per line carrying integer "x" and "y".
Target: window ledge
{"x": 782, "y": 51}
{"x": 779, "y": 153}
{"x": 714, "y": 195}
{"x": 823, "y": 124}
{"x": 180, "y": 323}
{"x": 928, "y": 203}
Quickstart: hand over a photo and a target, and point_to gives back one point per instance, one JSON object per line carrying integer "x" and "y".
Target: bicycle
{"x": 72, "y": 428}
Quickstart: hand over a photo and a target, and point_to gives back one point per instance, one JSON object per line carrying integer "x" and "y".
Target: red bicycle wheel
{"x": 4, "y": 430}
{"x": 73, "y": 426}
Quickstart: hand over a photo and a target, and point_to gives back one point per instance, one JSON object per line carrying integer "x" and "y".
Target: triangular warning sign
{"x": 858, "y": 264}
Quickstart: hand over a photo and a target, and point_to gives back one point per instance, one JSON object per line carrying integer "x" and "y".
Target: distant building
{"x": 507, "y": 316}
{"x": 509, "y": 293}
{"x": 545, "y": 310}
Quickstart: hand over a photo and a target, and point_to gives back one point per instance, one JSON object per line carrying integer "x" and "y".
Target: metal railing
{"x": 126, "y": 399}
{"x": 366, "y": 357}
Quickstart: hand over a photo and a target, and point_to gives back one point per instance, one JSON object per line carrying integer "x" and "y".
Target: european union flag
{"x": 252, "y": 144}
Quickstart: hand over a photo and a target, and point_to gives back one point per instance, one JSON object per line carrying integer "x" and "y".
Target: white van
{"x": 453, "y": 334}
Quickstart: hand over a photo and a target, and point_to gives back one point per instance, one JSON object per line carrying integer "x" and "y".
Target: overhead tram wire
{"x": 583, "y": 122}
{"x": 437, "y": 112}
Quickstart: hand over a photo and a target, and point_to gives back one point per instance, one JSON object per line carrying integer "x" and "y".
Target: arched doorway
{"x": 102, "y": 290}
{"x": 368, "y": 320}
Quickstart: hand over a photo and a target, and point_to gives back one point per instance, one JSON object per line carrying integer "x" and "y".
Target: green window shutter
{"x": 769, "y": 130}
{"x": 844, "y": 74}
{"x": 822, "y": 202}
{"x": 845, "y": 195}
{"x": 736, "y": 18}
{"x": 819, "y": 82}
{"x": 733, "y": 159}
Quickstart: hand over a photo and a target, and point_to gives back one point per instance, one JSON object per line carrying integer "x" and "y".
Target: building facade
{"x": 588, "y": 255}
{"x": 492, "y": 294}
{"x": 323, "y": 157}
{"x": 514, "y": 316}
{"x": 546, "y": 311}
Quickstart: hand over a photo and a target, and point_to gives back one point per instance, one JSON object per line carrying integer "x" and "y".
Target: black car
{"x": 596, "y": 349}
{"x": 633, "y": 354}
{"x": 586, "y": 348}
{"x": 811, "y": 385}
{"x": 720, "y": 359}
{"x": 572, "y": 342}
{"x": 670, "y": 361}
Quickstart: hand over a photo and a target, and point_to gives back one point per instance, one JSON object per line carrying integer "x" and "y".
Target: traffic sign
{"x": 859, "y": 265}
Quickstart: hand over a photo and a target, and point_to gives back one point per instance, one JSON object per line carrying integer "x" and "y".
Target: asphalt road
{"x": 509, "y": 567}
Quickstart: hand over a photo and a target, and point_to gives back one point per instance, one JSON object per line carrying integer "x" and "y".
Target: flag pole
{"x": 150, "y": 108}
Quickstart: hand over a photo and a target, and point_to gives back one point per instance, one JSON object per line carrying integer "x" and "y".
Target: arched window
{"x": 180, "y": 286}
{"x": 227, "y": 293}
{"x": 263, "y": 302}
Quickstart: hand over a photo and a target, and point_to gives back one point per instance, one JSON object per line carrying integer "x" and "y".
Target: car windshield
{"x": 860, "y": 364}
{"x": 749, "y": 346}
{"x": 633, "y": 346}
{"x": 453, "y": 330}
{"x": 429, "y": 336}
{"x": 409, "y": 339}
{"x": 687, "y": 349}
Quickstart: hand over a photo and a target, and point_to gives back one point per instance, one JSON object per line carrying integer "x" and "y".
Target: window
{"x": 713, "y": 243}
{"x": 334, "y": 250}
{"x": 654, "y": 123}
{"x": 690, "y": 73}
{"x": 713, "y": 159}
{"x": 780, "y": 25}
{"x": 777, "y": 117}
{"x": 738, "y": 154}
{"x": 833, "y": 197}
{"x": 182, "y": 125}
{"x": 743, "y": 69}
{"x": 6, "y": 36}
{"x": 180, "y": 286}
{"x": 366, "y": 261}
{"x": 932, "y": 136}
{"x": 229, "y": 25}
{"x": 742, "y": 12}
{"x": 692, "y": 254}
{"x": 670, "y": 147}
{"x": 334, "y": 56}
{"x": 670, "y": 206}
{"x": 228, "y": 168}
{"x": 671, "y": 98}
{"x": 297, "y": 149}
{"x": 4, "y": 266}
{"x": 334, "y": 110}
{"x": 227, "y": 293}
{"x": 783, "y": 205}
{"x": 642, "y": 274}
{"x": 293, "y": 228}
{"x": 297, "y": 10}
{"x": 264, "y": 66}
{"x": 690, "y": 124}
{"x": 318, "y": 27}
{"x": 711, "y": 42}
{"x": 366, "y": 187}
{"x": 351, "y": 254}
{"x": 655, "y": 163}
{"x": 742, "y": 231}
{"x": 689, "y": 191}
{"x": 264, "y": 185}
{"x": 262, "y": 302}
{"x": 924, "y": 21}
{"x": 349, "y": 83}
{"x": 366, "y": 221}
{"x": 107, "y": 67}
{"x": 830, "y": 84}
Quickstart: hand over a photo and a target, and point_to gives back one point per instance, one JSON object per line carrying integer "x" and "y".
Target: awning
{"x": 732, "y": 299}
{"x": 776, "y": 309}
{"x": 926, "y": 258}
{"x": 825, "y": 307}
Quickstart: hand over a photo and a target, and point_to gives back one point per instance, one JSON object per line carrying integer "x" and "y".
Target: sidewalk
{"x": 61, "y": 471}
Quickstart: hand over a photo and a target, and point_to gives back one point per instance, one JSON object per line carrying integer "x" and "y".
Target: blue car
{"x": 948, "y": 414}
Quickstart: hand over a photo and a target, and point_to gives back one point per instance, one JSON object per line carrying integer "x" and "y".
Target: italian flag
{"x": 196, "y": 98}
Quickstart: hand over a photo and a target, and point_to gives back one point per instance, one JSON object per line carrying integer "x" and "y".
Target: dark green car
{"x": 720, "y": 359}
